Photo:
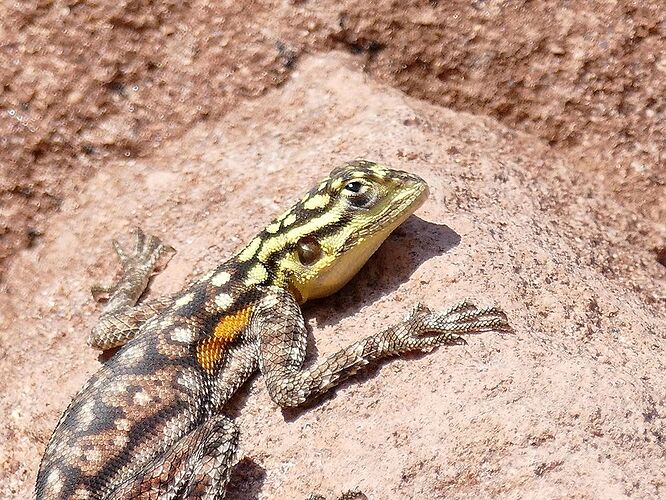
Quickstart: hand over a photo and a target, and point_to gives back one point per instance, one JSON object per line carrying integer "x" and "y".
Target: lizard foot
{"x": 148, "y": 257}
{"x": 424, "y": 329}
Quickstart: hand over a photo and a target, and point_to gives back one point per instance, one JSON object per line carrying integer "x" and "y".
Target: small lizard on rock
{"x": 150, "y": 422}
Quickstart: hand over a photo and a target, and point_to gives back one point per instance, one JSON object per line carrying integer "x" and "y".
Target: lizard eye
{"x": 359, "y": 194}
{"x": 354, "y": 186}
{"x": 308, "y": 250}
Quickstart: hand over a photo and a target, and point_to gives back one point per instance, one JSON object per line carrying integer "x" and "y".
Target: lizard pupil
{"x": 354, "y": 187}
{"x": 308, "y": 250}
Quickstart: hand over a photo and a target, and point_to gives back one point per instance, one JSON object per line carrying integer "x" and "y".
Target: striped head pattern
{"x": 320, "y": 243}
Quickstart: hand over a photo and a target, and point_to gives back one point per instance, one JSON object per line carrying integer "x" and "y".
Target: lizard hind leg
{"x": 196, "y": 467}
{"x": 121, "y": 318}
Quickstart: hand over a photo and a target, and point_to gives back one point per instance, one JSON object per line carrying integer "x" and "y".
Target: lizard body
{"x": 150, "y": 422}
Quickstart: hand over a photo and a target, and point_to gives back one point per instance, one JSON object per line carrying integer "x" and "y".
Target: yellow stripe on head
{"x": 322, "y": 241}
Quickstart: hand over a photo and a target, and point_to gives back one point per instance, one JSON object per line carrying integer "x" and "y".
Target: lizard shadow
{"x": 409, "y": 246}
{"x": 413, "y": 243}
{"x": 247, "y": 478}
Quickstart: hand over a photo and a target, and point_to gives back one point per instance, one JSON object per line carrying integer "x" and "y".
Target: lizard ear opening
{"x": 308, "y": 250}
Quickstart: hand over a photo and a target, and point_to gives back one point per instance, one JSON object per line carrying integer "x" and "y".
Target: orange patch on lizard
{"x": 211, "y": 350}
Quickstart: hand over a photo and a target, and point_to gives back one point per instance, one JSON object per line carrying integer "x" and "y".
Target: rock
{"x": 569, "y": 405}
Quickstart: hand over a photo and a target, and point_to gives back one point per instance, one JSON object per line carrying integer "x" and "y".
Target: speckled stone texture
{"x": 570, "y": 405}
{"x": 86, "y": 83}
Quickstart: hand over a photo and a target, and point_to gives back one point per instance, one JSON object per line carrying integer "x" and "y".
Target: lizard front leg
{"x": 281, "y": 333}
{"x": 121, "y": 317}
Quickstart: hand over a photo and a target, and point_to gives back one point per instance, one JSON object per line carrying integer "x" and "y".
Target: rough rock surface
{"x": 571, "y": 405}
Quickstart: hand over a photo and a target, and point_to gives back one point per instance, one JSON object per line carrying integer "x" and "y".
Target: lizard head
{"x": 319, "y": 244}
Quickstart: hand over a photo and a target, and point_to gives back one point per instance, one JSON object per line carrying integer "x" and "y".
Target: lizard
{"x": 150, "y": 422}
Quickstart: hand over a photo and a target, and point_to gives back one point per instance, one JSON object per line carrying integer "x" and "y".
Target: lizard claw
{"x": 447, "y": 326}
{"x": 120, "y": 252}
{"x": 417, "y": 309}
{"x": 140, "y": 238}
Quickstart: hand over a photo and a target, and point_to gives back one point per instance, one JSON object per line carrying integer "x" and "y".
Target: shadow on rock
{"x": 247, "y": 478}
{"x": 412, "y": 244}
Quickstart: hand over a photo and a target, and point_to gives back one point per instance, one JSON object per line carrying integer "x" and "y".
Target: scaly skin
{"x": 150, "y": 422}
